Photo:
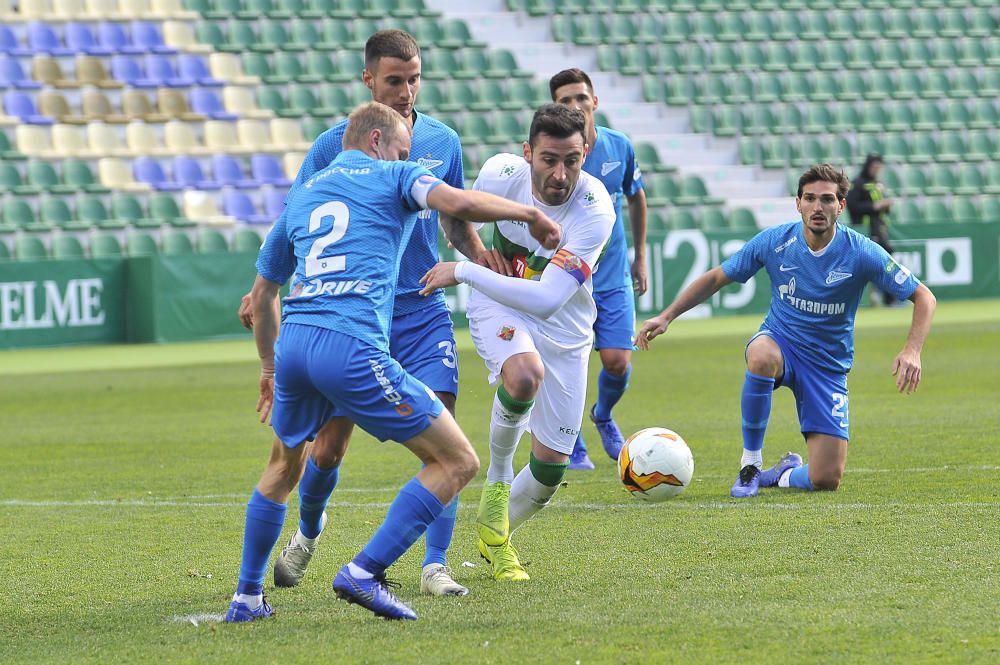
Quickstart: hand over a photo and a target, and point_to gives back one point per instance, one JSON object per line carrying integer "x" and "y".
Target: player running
{"x": 341, "y": 240}
{"x": 422, "y": 338}
{"x": 535, "y": 333}
{"x": 818, "y": 271}
{"x": 612, "y": 161}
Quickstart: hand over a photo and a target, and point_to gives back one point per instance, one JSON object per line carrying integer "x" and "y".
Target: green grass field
{"x": 126, "y": 472}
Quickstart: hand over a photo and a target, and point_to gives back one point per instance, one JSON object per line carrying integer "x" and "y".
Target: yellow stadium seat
{"x": 227, "y": 67}
{"x": 104, "y": 140}
{"x": 292, "y": 162}
{"x": 117, "y": 174}
{"x": 142, "y": 139}
{"x": 287, "y": 135}
{"x": 203, "y": 208}
{"x": 254, "y": 135}
{"x": 180, "y": 137}
{"x": 34, "y": 140}
{"x": 240, "y": 100}
{"x": 71, "y": 139}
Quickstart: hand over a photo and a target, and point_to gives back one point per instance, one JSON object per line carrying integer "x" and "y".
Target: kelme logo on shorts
{"x": 506, "y": 333}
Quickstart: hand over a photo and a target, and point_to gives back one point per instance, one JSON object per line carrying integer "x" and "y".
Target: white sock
{"x": 783, "y": 480}
{"x": 527, "y": 497}
{"x": 253, "y": 601}
{"x": 753, "y": 457}
{"x": 359, "y": 572}
{"x": 506, "y": 429}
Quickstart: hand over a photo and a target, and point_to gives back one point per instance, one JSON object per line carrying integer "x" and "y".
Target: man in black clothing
{"x": 868, "y": 206}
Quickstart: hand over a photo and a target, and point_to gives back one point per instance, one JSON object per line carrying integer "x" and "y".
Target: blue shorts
{"x": 424, "y": 344}
{"x": 615, "y": 324}
{"x": 820, "y": 395}
{"x": 320, "y": 371}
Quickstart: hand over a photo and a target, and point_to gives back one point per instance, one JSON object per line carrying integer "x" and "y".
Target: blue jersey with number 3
{"x": 815, "y": 295}
{"x": 341, "y": 239}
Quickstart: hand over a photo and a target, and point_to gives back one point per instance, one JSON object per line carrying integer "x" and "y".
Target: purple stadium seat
{"x": 42, "y": 38}
{"x": 229, "y": 172}
{"x": 10, "y": 44}
{"x": 159, "y": 68}
{"x": 114, "y": 36}
{"x": 187, "y": 171}
{"x": 206, "y": 102}
{"x": 268, "y": 169}
{"x": 274, "y": 202}
{"x": 148, "y": 170}
{"x": 12, "y": 76}
{"x": 127, "y": 69}
{"x": 148, "y": 35}
{"x": 238, "y": 205}
{"x": 195, "y": 68}
{"x": 80, "y": 38}
{"x": 21, "y": 105}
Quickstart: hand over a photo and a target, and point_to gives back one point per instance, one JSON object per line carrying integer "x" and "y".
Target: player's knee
{"x": 764, "y": 362}
{"x": 523, "y": 385}
{"x": 826, "y": 480}
{"x": 616, "y": 365}
{"x": 327, "y": 457}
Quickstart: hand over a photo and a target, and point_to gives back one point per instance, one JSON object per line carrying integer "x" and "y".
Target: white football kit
{"x": 563, "y": 337}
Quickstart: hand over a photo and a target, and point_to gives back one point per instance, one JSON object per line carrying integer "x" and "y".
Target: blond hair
{"x": 369, "y": 116}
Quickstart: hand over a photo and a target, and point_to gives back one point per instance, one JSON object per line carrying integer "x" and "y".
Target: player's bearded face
{"x": 820, "y": 206}
{"x": 555, "y": 166}
{"x": 395, "y": 83}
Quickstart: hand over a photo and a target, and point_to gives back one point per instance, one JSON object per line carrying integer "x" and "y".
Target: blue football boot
{"x": 747, "y": 484}
{"x": 769, "y": 477}
{"x": 611, "y": 436}
{"x": 579, "y": 460}
{"x": 372, "y": 594}
{"x": 240, "y": 612}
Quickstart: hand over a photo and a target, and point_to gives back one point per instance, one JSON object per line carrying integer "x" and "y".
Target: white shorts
{"x": 500, "y": 332}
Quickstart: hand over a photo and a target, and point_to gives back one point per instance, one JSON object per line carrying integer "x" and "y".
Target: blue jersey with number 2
{"x": 341, "y": 239}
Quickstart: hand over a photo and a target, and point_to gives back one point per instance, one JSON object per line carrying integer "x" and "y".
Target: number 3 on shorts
{"x": 450, "y": 361}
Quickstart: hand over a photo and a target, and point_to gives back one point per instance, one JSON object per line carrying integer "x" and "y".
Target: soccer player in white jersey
{"x": 535, "y": 329}
{"x": 818, "y": 270}
{"x": 612, "y": 161}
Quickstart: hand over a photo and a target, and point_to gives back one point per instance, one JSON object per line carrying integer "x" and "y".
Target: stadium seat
{"x": 179, "y": 137}
{"x": 66, "y": 247}
{"x": 128, "y": 211}
{"x": 211, "y": 241}
{"x": 141, "y": 243}
{"x": 104, "y": 140}
{"x": 12, "y": 181}
{"x": 174, "y": 104}
{"x": 163, "y": 208}
{"x": 20, "y": 105}
{"x": 13, "y": 76}
{"x": 42, "y": 39}
{"x": 35, "y": 141}
{"x": 57, "y": 213}
{"x": 201, "y": 207}
{"x": 239, "y": 206}
{"x": 43, "y": 177}
{"x": 189, "y": 174}
{"x": 117, "y": 174}
{"x": 204, "y": 101}
{"x": 274, "y": 203}
{"x": 137, "y": 106}
{"x": 147, "y": 36}
{"x": 267, "y": 169}
{"x": 92, "y": 212}
{"x": 150, "y": 171}
{"x": 96, "y": 106}
{"x": 105, "y": 245}
{"x": 29, "y": 248}
{"x": 177, "y": 243}
{"x": 182, "y": 36}
{"x": 229, "y": 172}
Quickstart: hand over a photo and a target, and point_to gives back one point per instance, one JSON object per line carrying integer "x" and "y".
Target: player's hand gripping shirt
{"x": 612, "y": 161}
{"x": 342, "y": 236}
{"x": 586, "y": 218}
{"x": 814, "y": 297}
{"x": 436, "y": 147}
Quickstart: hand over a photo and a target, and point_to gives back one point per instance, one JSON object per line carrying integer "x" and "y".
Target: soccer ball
{"x": 655, "y": 464}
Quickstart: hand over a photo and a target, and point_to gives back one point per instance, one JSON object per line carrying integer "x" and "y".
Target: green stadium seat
{"x": 990, "y": 83}
{"x": 713, "y": 219}
{"x": 240, "y": 38}
{"x": 11, "y": 181}
{"x": 896, "y": 147}
{"x": 7, "y": 151}
{"x": 313, "y": 127}
{"x": 923, "y": 148}
{"x": 252, "y": 9}
{"x": 66, "y": 247}
{"x": 928, "y": 116}
{"x": 907, "y": 212}
{"x": 778, "y": 57}
{"x": 984, "y": 114}
{"x": 349, "y": 66}
{"x": 79, "y": 176}
{"x": 963, "y": 83}
{"x": 966, "y": 209}
{"x": 693, "y": 192}
{"x": 503, "y": 64}
{"x": 937, "y": 211}
{"x": 472, "y": 64}
{"x": 951, "y": 148}
{"x": 271, "y": 99}
{"x": 786, "y": 27}
{"x": 141, "y": 243}
{"x": 726, "y": 121}
{"x": 729, "y": 27}
{"x": 740, "y": 89}
{"x": 43, "y": 177}
{"x": 701, "y": 120}
{"x": 913, "y": 181}
{"x": 709, "y": 90}
{"x": 246, "y": 240}
{"x": 674, "y": 28}
{"x": 18, "y": 214}
{"x": 743, "y": 220}
{"x": 210, "y": 241}
{"x": 897, "y": 25}
{"x": 163, "y": 207}
{"x": 907, "y": 85}
{"x": 991, "y": 208}
{"x": 969, "y": 180}
{"x": 660, "y": 189}
{"x": 223, "y": 9}
{"x": 838, "y": 25}
{"x": 818, "y": 119}
{"x": 936, "y": 85}
{"x": 682, "y": 219}
{"x": 4, "y": 250}
{"x": 177, "y": 243}
{"x": 29, "y": 248}
{"x": 287, "y": 68}
{"x": 302, "y": 102}
{"x": 862, "y": 55}
{"x": 944, "y": 53}
{"x": 649, "y": 159}
{"x": 92, "y": 212}
{"x": 889, "y": 54}
{"x": 981, "y": 146}
{"x": 57, "y": 213}
{"x": 973, "y": 53}
{"x": 128, "y": 211}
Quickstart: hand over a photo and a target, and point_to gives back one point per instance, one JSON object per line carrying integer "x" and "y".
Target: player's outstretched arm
{"x": 696, "y": 293}
{"x": 637, "y": 218}
{"x": 906, "y": 367}
{"x": 476, "y": 206}
{"x": 266, "y": 316}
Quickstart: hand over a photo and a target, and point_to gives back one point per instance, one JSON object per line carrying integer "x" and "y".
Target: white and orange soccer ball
{"x": 655, "y": 464}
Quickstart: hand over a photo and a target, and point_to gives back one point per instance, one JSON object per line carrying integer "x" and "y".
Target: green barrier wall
{"x": 189, "y": 297}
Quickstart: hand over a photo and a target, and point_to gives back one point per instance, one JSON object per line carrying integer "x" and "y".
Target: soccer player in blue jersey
{"x": 819, "y": 270}
{"x": 611, "y": 160}
{"x": 341, "y": 241}
{"x": 422, "y": 339}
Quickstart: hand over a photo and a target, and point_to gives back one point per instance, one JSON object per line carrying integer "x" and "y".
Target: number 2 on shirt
{"x": 341, "y": 217}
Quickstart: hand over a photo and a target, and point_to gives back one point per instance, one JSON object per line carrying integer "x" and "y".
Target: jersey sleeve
{"x": 416, "y": 182}
{"x": 276, "y": 258}
{"x": 633, "y": 175}
{"x": 584, "y": 247}
{"x": 745, "y": 263}
{"x": 885, "y": 273}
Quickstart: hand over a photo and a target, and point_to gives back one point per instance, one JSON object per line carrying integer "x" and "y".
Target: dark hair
{"x": 870, "y": 159}
{"x": 566, "y": 77}
{"x": 557, "y": 121}
{"x": 390, "y": 44}
{"x": 825, "y": 173}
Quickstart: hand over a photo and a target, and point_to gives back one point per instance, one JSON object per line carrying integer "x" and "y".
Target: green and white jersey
{"x": 587, "y": 219}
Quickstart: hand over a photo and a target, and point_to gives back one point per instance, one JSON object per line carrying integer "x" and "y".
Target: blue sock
{"x": 264, "y": 521}
{"x": 610, "y": 389}
{"x": 439, "y": 534}
{"x": 315, "y": 489}
{"x": 755, "y": 404}
{"x": 800, "y": 478}
{"x": 579, "y": 447}
{"x": 414, "y": 508}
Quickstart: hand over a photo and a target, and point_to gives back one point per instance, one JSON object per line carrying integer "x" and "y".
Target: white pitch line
{"x": 195, "y": 619}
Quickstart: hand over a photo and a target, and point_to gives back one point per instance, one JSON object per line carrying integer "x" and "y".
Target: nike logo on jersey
{"x": 784, "y": 268}
{"x": 428, "y": 163}
{"x": 836, "y": 276}
{"x": 608, "y": 167}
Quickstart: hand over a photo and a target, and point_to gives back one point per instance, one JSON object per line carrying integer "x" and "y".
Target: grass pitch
{"x": 126, "y": 471}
